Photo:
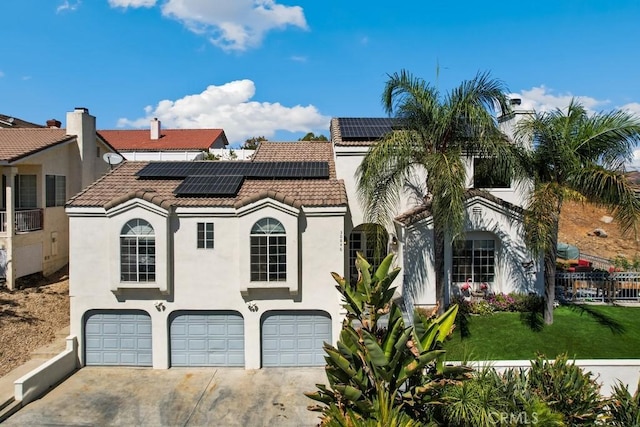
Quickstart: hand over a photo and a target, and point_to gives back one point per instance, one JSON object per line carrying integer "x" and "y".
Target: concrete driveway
{"x": 177, "y": 397}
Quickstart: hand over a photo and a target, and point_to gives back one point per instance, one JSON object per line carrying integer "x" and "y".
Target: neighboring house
{"x": 491, "y": 253}
{"x": 165, "y": 144}
{"x": 9, "y": 122}
{"x": 210, "y": 263}
{"x": 41, "y": 168}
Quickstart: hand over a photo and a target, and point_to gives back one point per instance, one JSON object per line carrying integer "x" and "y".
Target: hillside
{"x": 577, "y": 223}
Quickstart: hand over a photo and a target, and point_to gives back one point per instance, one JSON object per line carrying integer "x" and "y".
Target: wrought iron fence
{"x": 598, "y": 286}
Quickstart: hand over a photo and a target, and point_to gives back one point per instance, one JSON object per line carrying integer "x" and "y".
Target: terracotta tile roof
{"x": 18, "y": 143}
{"x": 15, "y": 123}
{"x": 170, "y": 139}
{"x": 296, "y": 151}
{"x": 424, "y": 211}
{"x": 122, "y": 184}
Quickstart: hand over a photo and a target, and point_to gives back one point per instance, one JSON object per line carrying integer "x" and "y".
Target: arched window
{"x": 137, "y": 252}
{"x": 268, "y": 251}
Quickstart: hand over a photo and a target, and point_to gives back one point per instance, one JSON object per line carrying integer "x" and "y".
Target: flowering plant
{"x": 484, "y": 287}
{"x": 465, "y": 286}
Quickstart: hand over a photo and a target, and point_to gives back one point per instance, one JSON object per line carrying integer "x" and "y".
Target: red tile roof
{"x": 170, "y": 139}
{"x": 21, "y": 142}
{"x": 122, "y": 184}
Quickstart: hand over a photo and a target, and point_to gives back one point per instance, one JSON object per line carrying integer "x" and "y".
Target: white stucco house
{"x": 158, "y": 144}
{"x": 491, "y": 252}
{"x": 41, "y": 168}
{"x": 221, "y": 263}
{"x": 210, "y": 263}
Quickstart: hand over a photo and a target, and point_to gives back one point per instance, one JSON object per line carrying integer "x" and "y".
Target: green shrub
{"x": 380, "y": 374}
{"x": 624, "y": 408}
{"x": 567, "y": 389}
{"x": 481, "y": 308}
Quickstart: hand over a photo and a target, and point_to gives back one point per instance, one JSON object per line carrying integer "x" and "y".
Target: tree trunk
{"x": 550, "y": 257}
{"x": 438, "y": 260}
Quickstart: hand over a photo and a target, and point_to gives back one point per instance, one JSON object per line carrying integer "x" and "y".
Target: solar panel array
{"x": 293, "y": 170}
{"x": 219, "y": 178}
{"x": 365, "y": 129}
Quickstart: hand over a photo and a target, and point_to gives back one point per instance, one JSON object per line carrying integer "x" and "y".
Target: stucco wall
{"x": 205, "y": 279}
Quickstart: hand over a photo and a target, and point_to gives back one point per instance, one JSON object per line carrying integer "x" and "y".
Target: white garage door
{"x": 295, "y": 338}
{"x": 207, "y": 338}
{"x": 118, "y": 338}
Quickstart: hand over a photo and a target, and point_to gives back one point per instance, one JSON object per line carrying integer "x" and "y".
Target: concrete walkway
{"x": 117, "y": 396}
{"x": 177, "y": 397}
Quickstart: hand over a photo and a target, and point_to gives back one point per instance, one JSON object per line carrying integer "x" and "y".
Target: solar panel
{"x": 365, "y": 129}
{"x": 206, "y": 185}
{"x": 292, "y": 170}
{"x": 224, "y": 178}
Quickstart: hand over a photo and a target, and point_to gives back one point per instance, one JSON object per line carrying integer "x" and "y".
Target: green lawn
{"x": 504, "y": 336}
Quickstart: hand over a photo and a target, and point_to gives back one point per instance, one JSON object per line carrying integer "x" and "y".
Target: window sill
{"x": 290, "y": 286}
{"x": 120, "y": 286}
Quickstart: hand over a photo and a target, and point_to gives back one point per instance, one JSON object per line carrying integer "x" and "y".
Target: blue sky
{"x": 281, "y": 68}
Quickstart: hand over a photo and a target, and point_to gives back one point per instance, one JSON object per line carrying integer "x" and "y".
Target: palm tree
{"x": 434, "y": 134}
{"x": 579, "y": 156}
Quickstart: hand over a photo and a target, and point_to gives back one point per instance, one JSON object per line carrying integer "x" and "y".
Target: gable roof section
{"x": 18, "y": 143}
{"x": 424, "y": 211}
{"x": 170, "y": 139}
{"x": 15, "y": 123}
{"x": 122, "y": 184}
{"x": 296, "y": 151}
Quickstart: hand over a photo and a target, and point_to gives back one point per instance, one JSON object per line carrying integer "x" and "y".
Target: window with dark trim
{"x": 485, "y": 176}
{"x": 56, "y": 186}
{"x": 474, "y": 261}
{"x": 268, "y": 251}
{"x": 26, "y": 196}
{"x": 205, "y": 235}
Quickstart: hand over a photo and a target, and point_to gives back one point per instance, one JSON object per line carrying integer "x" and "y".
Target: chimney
{"x": 83, "y": 125}
{"x": 155, "y": 128}
{"x": 53, "y": 123}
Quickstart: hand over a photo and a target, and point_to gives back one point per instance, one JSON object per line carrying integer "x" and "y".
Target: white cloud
{"x": 635, "y": 163}
{"x": 633, "y": 107}
{"x": 229, "y": 107}
{"x": 299, "y": 58}
{"x": 233, "y": 25}
{"x": 1, "y": 74}
{"x": 66, "y": 5}
{"x": 132, "y": 3}
{"x": 543, "y": 99}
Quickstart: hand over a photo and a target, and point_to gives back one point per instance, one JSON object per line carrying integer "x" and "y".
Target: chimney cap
{"x": 81, "y": 110}
{"x": 515, "y": 101}
{"x": 53, "y": 123}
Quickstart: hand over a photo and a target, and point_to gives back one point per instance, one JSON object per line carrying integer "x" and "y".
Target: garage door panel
{"x": 211, "y": 338}
{"x": 118, "y": 338}
{"x": 295, "y": 338}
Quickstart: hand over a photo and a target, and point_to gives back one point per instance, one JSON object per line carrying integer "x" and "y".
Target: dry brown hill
{"x": 579, "y": 220}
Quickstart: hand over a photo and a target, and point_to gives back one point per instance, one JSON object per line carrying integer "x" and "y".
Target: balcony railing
{"x": 25, "y": 220}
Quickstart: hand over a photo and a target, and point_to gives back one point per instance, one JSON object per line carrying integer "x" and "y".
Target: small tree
{"x": 389, "y": 373}
{"x": 313, "y": 137}
{"x": 253, "y": 142}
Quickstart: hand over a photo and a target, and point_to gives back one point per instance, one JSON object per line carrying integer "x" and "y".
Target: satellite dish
{"x": 112, "y": 158}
